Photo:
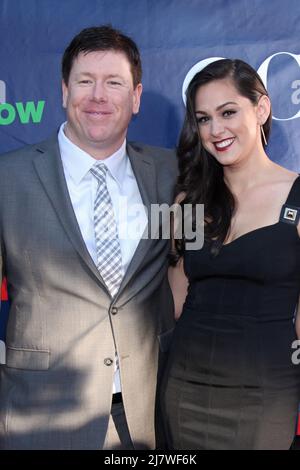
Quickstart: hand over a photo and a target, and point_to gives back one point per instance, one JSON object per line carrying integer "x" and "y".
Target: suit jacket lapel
{"x": 144, "y": 171}
{"x": 49, "y": 167}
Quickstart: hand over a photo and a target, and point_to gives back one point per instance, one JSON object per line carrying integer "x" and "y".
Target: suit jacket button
{"x": 108, "y": 361}
{"x": 114, "y": 310}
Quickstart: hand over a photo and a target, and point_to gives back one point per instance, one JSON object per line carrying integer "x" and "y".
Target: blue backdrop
{"x": 172, "y": 35}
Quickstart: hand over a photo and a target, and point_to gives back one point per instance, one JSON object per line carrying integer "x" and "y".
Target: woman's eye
{"x": 229, "y": 112}
{"x": 202, "y": 119}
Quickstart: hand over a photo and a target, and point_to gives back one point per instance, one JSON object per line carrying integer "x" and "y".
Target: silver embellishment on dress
{"x": 290, "y": 214}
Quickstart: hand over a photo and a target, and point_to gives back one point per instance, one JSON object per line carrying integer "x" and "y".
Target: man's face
{"x": 100, "y": 99}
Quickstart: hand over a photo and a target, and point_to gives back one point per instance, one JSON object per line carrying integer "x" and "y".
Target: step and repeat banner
{"x": 173, "y": 36}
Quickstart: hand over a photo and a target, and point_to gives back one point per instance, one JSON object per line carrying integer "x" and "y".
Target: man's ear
{"x": 137, "y": 93}
{"x": 64, "y": 93}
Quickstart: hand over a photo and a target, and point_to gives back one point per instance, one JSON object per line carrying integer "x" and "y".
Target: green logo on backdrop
{"x": 27, "y": 112}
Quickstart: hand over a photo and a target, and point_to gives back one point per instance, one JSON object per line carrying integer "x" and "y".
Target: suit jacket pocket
{"x": 27, "y": 359}
{"x": 165, "y": 339}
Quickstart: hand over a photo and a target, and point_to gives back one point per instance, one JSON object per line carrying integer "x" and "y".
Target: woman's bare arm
{"x": 179, "y": 285}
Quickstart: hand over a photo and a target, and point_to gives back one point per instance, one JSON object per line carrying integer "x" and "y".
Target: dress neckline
{"x": 264, "y": 227}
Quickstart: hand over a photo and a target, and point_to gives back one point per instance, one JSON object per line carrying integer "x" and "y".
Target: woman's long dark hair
{"x": 200, "y": 175}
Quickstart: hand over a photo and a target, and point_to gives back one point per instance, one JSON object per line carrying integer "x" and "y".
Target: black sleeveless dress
{"x": 230, "y": 381}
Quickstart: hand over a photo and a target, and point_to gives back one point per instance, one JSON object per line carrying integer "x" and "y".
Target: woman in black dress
{"x": 231, "y": 382}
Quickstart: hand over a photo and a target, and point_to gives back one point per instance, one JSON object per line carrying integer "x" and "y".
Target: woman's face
{"x": 229, "y": 123}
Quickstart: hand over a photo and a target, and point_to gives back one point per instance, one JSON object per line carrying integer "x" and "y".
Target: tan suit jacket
{"x": 63, "y": 329}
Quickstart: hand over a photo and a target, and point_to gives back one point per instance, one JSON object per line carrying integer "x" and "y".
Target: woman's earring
{"x": 263, "y": 135}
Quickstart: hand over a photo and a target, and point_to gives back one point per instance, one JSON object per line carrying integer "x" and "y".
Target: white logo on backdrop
{"x": 296, "y": 94}
{"x": 262, "y": 71}
{"x": 2, "y": 92}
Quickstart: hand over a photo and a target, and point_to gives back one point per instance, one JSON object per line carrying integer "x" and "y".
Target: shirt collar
{"x": 71, "y": 153}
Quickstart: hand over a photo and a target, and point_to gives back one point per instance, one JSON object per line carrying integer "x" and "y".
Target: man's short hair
{"x": 102, "y": 38}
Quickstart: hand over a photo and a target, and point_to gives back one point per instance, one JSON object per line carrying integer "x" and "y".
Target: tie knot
{"x": 99, "y": 170}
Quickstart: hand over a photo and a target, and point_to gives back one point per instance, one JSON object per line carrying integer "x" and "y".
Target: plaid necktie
{"x": 109, "y": 257}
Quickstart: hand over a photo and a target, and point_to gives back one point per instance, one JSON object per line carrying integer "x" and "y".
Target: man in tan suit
{"x": 89, "y": 306}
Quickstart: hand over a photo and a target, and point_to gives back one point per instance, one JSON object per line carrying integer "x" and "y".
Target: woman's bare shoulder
{"x": 180, "y": 197}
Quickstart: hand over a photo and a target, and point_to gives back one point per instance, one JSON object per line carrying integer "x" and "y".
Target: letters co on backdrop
{"x": 262, "y": 70}
{"x": 173, "y": 36}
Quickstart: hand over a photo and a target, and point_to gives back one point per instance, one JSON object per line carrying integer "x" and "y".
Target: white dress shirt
{"x": 130, "y": 214}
